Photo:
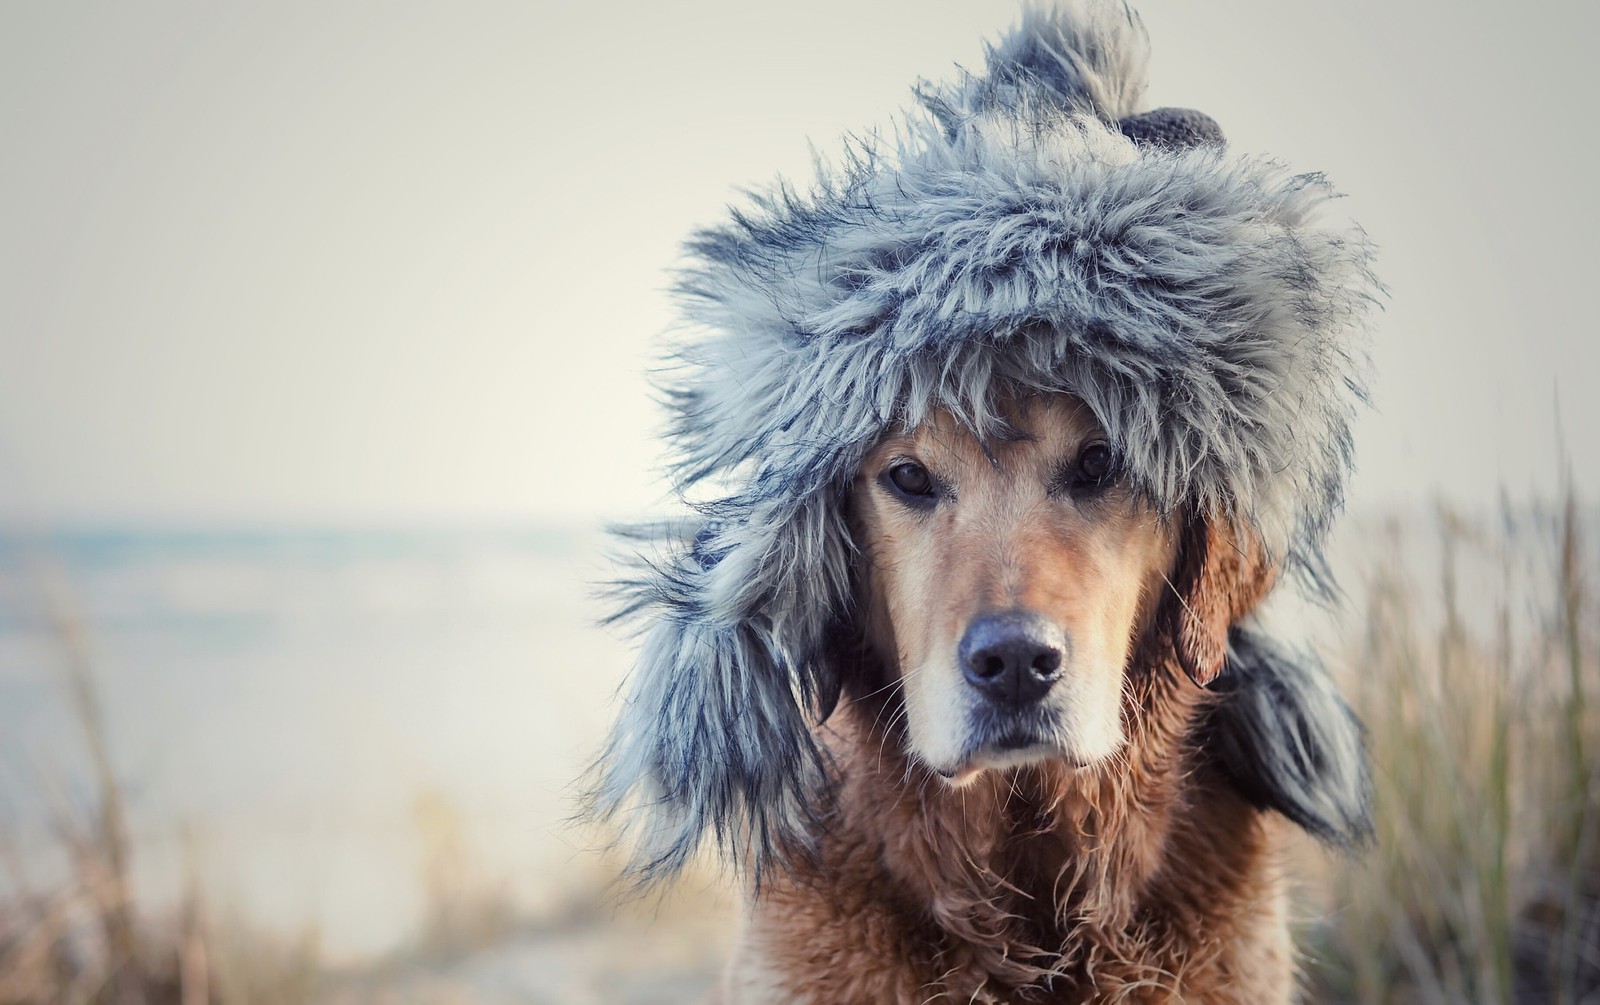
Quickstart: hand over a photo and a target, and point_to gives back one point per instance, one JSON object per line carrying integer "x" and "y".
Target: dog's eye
{"x": 912, "y": 481}
{"x": 1095, "y": 467}
{"x": 1095, "y": 462}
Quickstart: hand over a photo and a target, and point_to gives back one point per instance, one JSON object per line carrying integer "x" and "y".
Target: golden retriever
{"x": 1021, "y": 811}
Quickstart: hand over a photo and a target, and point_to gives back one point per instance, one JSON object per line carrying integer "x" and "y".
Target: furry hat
{"x": 1029, "y": 229}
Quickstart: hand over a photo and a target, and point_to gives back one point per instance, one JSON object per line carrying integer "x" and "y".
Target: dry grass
{"x": 84, "y": 938}
{"x": 464, "y": 909}
{"x": 82, "y": 942}
{"x": 1479, "y": 693}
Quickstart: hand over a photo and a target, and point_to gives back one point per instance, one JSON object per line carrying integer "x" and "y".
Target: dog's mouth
{"x": 997, "y": 758}
{"x": 1016, "y": 740}
{"x": 991, "y": 729}
{"x": 1011, "y": 742}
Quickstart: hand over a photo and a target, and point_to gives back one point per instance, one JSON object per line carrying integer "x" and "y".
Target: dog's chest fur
{"x": 1156, "y": 882}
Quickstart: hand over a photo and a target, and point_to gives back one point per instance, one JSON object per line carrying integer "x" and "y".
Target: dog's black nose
{"x": 1012, "y": 656}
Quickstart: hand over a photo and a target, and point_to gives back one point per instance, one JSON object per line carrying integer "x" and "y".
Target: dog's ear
{"x": 1219, "y": 577}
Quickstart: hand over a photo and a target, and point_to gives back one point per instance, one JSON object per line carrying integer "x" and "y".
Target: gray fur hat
{"x": 1030, "y": 228}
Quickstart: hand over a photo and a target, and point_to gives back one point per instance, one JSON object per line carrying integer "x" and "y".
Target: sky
{"x": 376, "y": 263}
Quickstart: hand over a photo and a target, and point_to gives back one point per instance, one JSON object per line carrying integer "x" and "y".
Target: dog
{"x": 1012, "y": 429}
{"x": 1022, "y": 807}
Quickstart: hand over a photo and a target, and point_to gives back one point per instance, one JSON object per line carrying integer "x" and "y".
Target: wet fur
{"x": 1154, "y": 881}
{"x": 1146, "y": 876}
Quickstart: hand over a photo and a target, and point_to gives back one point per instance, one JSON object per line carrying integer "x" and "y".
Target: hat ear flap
{"x": 712, "y": 736}
{"x": 1288, "y": 740}
{"x": 1219, "y": 577}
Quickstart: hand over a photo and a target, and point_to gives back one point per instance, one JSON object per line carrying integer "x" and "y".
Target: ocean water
{"x": 310, "y": 723}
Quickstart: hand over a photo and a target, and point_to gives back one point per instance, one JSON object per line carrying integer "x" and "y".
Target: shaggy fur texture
{"x": 1156, "y": 882}
{"x": 1288, "y": 740}
{"x": 1030, "y": 231}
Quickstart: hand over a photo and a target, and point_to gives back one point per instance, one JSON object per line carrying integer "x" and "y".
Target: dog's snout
{"x": 1012, "y": 657}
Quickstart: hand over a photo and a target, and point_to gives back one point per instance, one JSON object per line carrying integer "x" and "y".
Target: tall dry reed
{"x": 84, "y": 938}
{"x": 1476, "y": 676}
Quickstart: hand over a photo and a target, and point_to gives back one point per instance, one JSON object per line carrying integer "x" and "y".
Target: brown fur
{"x": 1138, "y": 876}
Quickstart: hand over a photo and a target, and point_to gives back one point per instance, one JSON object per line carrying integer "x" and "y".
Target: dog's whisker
{"x": 898, "y": 682}
{"x": 886, "y": 732}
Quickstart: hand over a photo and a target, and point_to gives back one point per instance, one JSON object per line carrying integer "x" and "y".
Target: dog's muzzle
{"x": 1012, "y": 657}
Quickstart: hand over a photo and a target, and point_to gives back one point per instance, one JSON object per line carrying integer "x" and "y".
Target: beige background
{"x": 375, "y": 262}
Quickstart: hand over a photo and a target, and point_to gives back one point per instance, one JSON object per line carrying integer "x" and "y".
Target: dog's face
{"x": 1008, "y": 583}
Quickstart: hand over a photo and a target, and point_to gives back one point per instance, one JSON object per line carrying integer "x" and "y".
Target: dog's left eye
{"x": 1095, "y": 467}
{"x": 912, "y": 482}
{"x": 1095, "y": 462}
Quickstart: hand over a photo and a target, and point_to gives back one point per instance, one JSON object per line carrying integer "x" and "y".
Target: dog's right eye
{"x": 912, "y": 482}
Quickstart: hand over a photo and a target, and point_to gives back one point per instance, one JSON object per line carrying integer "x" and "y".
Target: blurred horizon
{"x": 280, "y": 705}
